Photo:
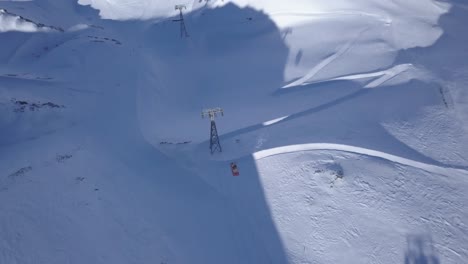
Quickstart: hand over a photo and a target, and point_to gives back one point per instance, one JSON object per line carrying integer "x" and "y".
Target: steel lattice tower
{"x": 183, "y": 29}
{"x": 214, "y": 138}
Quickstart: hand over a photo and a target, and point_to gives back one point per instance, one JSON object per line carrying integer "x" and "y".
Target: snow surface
{"x": 347, "y": 120}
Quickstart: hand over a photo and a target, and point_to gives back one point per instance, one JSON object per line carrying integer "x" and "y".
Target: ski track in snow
{"x": 385, "y": 75}
{"x": 462, "y": 174}
{"x": 324, "y": 63}
{"x": 381, "y": 76}
{"x": 336, "y": 14}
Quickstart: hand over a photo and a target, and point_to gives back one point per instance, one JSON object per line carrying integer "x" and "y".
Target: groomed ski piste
{"x": 347, "y": 121}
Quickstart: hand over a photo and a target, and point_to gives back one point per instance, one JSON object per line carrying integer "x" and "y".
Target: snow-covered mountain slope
{"x": 347, "y": 120}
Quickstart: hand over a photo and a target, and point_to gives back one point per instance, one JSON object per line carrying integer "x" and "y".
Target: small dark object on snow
{"x": 234, "y": 169}
{"x": 51, "y": 105}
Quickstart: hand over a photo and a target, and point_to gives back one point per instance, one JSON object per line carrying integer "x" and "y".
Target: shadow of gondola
{"x": 420, "y": 250}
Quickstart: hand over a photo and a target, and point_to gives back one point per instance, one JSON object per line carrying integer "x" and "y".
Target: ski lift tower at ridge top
{"x": 183, "y": 28}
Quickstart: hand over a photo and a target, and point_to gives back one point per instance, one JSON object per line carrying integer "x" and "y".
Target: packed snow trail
{"x": 378, "y": 78}
{"x": 446, "y": 171}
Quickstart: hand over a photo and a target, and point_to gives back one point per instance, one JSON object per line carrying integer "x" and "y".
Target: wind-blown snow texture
{"x": 347, "y": 120}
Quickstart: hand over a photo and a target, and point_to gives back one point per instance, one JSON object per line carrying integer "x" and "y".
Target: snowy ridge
{"x": 12, "y": 22}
